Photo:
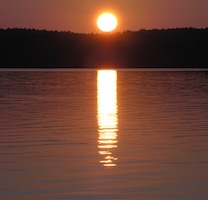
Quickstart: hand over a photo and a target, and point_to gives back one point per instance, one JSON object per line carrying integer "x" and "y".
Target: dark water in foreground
{"x": 106, "y": 135}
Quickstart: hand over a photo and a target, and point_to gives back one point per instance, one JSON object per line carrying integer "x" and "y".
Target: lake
{"x": 87, "y": 134}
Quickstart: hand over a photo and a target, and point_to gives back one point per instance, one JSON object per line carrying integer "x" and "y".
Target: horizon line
{"x": 97, "y": 69}
{"x": 113, "y": 32}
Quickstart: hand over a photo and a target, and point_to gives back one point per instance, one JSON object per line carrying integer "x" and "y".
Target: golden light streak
{"x": 107, "y": 115}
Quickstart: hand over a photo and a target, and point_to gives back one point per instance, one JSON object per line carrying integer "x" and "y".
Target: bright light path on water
{"x": 107, "y": 115}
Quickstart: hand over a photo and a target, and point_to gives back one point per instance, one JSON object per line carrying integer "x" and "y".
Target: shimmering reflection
{"x": 107, "y": 115}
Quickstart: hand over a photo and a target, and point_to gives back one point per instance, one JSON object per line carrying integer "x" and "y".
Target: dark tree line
{"x": 184, "y": 47}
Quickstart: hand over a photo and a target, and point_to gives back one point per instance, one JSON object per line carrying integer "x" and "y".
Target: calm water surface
{"x": 103, "y": 135}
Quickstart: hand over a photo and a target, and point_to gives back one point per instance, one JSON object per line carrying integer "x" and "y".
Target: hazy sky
{"x": 80, "y": 15}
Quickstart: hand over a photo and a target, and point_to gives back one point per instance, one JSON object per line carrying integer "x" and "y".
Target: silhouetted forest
{"x": 184, "y": 47}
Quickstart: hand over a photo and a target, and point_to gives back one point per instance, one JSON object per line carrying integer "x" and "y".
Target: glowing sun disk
{"x": 107, "y": 22}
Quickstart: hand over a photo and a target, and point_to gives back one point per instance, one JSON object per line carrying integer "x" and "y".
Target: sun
{"x": 107, "y": 22}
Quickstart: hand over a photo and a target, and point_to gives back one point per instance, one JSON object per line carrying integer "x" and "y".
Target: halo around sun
{"x": 107, "y": 22}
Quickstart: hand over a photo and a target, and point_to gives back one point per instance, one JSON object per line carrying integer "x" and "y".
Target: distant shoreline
{"x": 166, "y": 48}
{"x": 97, "y": 69}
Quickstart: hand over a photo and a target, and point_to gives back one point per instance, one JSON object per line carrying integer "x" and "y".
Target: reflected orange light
{"x": 107, "y": 116}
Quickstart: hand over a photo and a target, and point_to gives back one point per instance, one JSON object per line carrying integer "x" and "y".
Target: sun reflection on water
{"x": 107, "y": 116}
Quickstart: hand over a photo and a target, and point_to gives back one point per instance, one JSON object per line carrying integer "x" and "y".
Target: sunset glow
{"x": 107, "y": 115}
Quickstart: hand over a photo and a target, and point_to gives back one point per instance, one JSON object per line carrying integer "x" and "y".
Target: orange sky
{"x": 80, "y": 15}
